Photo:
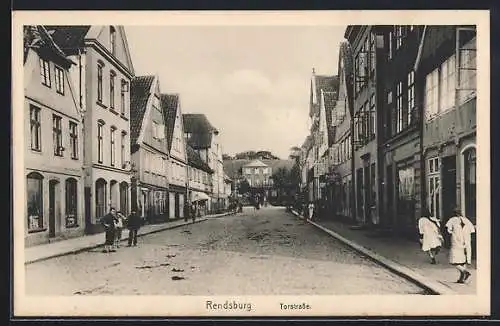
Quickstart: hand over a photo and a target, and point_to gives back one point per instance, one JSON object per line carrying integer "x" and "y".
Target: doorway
{"x": 448, "y": 190}
{"x": 54, "y": 210}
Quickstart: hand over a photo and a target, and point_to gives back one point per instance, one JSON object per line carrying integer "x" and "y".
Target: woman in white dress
{"x": 430, "y": 235}
{"x": 460, "y": 228}
{"x": 311, "y": 210}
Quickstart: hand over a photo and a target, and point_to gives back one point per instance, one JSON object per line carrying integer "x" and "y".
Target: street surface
{"x": 257, "y": 252}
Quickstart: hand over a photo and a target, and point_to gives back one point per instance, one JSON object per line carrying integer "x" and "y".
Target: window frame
{"x": 112, "y": 77}
{"x": 112, "y": 39}
{"x": 122, "y": 148}
{"x": 100, "y": 142}
{"x": 57, "y": 135}
{"x": 35, "y": 128}
{"x": 399, "y": 108}
{"x": 73, "y": 135}
{"x": 100, "y": 71}
{"x": 112, "y": 144}
{"x": 123, "y": 102}
{"x": 71, "y": 205}
{"x": 45, "y": 72}
{"x": 59, "y": 79}
{"x": 411, "y": 98}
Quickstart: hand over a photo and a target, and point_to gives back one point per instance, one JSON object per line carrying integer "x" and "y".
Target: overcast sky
{"x": 251, "y": 82}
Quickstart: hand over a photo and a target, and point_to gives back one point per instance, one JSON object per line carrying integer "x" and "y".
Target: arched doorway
{"x": 113, "y": 193}
{"x": 54, "y": 206}
{"x": 469, "y": 182}
{"x": 100, "y": 198}
{"x": 124, "y": 198}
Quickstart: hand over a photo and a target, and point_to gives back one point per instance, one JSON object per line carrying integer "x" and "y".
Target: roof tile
{"x": 139, "y": 95}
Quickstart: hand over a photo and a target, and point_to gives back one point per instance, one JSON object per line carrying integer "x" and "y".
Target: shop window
{"x": 71, "y": 203}
{"x": 100, "y": 198}
{"x": 34, "y": 198}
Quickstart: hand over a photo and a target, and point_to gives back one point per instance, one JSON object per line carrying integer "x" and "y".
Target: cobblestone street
{"x": 258, "y": 252}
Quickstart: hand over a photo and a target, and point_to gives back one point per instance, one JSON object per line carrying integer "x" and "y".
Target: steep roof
{"x": 169, "y": 104}
{"x": 69, "y": 38}
{"x": 256, "y": 164}
{"x": 139, "y": 94}
{"x": 233, "y": 167}
{"x": 195, "y": 160}
{"x": 325, "y": 83}
{"x": 38, "y": 37}
{"x": 200, "y": 129}
{"x": 330, "y": 102}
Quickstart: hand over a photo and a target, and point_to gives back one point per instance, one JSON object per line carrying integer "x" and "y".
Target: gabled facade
{"x": 203, "y": 138}
{"x": 399, "y": 119}
{"x": 53, "y": 143}
{"x": 340, "y": 151}
{"x": 448, "y": 98}
{"x": 323, "y": 94}
{"x": 363, "y": 42}
{"x": 102, "y": 74}
{"x": 200, "y": 175}
{"x": 178, "y": 168}
{"x": 257, "y": 174}
{"x": 149, "y": 149}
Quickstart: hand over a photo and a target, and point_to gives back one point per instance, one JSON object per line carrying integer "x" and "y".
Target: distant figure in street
{"x": 430, "y": 235}
{"x": 460, "y": 228}
{"x": 109, "y": 227}
{"x": 310, "y": 210}
{"x": 134, "y": 222}
{"x": 193, "y": 211}
{"x": 118, "y": 229}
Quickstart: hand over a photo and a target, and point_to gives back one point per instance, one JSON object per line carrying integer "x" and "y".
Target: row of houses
{"x": 394, "y": 131}
{"x": 98, "y": 136}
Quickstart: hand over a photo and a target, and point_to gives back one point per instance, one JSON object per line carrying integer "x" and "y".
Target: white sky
{"x": 252, "y": 82}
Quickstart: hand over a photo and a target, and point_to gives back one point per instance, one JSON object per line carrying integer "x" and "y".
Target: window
{"x": 71, "y": 203}
{"x": 406, "y": 191}
{"x": 440, "y": 89}
{"x": 112, "y": 39}
{"x": 100, "y": 198}
{"x": 447, "y": 85}
{"x": 35, "y": 129}
{"x": 57, "y": 135}
{"x": 372, "y": 54}
{"x": 112, "y": 145}
{"x": 400, "y": 34}
{"x": 100, "y": 149}
{"x": 122, "y": 149}
{"x": 431, "y": 94}
{"x": 433, "y": 187}
{"x": 99, "y": 81}
{"x": 468, "y": 71}
{"x": 123, "y": 102}
{"x": 73, "y": 135}
{"x": 59, "y": 79}
{"x": 399, "y": 107}
{"x": 373, "y": 117}
{"x": 411, "y": 97}
{"x": 390, "y": 45}
{"x": 45, "y": 72}
{"x": 34, "y": 188}
{"x": 112, "y": 77}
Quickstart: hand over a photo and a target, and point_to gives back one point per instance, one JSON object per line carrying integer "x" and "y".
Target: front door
{"x": 53, "y": 207}
{"x": 449, "y": 187}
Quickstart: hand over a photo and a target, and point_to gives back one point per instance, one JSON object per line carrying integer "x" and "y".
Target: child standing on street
{"x": 118, "y": 229}
{"x": 460, "y": 228}
{"x": 430, "y": 235}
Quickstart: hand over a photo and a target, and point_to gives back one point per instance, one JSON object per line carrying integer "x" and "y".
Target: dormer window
{"x": 112, "y": 39}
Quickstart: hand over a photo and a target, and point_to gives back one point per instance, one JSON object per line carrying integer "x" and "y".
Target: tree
{"x": 281, "y": 177}
{"x": 243, "y": 187}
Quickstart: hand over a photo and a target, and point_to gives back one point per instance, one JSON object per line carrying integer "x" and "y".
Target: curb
{"x": 93, "y": 246}
{"x": 432, "y": 286}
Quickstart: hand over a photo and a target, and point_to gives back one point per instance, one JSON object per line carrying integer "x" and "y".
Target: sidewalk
{"x": 403, "y": 257}
{"x": 87, "y": 242}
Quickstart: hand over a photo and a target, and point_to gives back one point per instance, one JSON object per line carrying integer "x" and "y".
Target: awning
{"x": 198, "y": 196}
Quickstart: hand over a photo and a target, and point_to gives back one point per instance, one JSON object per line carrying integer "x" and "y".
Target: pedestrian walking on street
{"x": 430, "y": 235}
{"x": 193, "y": 211}
{"x": 118, "y": 229}
{"x": 310, "y": 210}
{"x": 109, "y": 227}
{"x": 134, "y": 222}
{"x": 460, "y": 228}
